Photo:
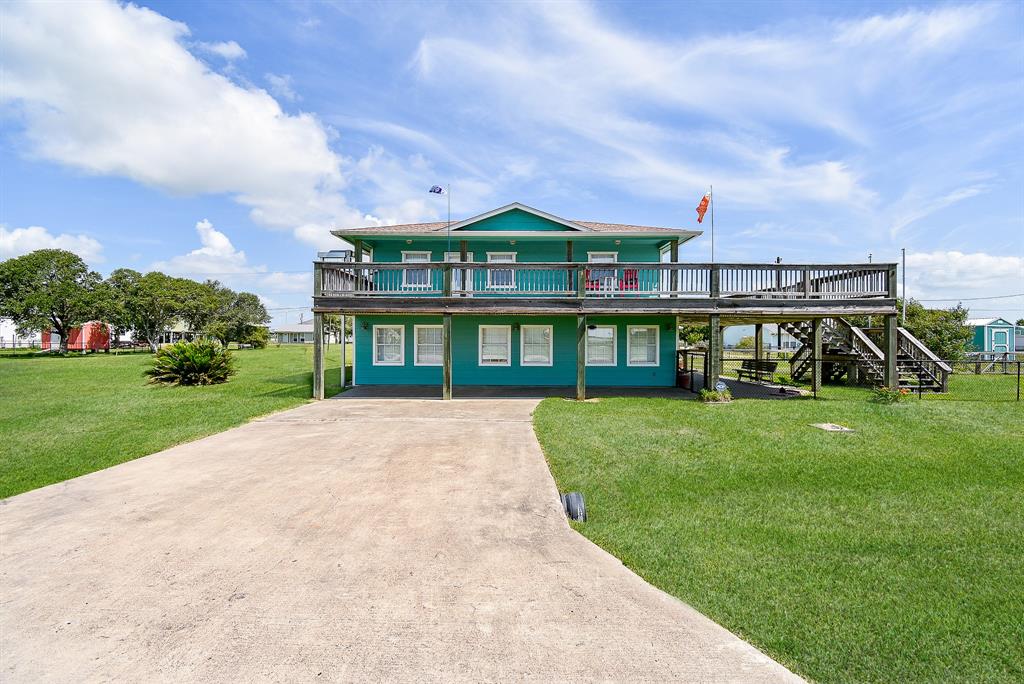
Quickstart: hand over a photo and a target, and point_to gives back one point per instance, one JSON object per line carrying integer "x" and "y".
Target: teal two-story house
{"x": 518, "y": 296}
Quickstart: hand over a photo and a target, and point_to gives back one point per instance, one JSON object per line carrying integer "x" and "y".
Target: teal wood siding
{"x": 516, "y": 219}
{"x": 640, "y": 250}
{"x": 465, "y": 354}
{"x": 979, "y": 338}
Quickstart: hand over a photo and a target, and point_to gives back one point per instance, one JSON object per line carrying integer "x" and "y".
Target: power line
{"x": 972, "y": 299}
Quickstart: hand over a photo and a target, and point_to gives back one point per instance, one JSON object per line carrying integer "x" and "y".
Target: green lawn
{"x": 892, "y": 554}
{"x": 63, "y": 417}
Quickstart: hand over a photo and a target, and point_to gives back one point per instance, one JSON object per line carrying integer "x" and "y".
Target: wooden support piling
{"x": 581, "y": 357}
{"x": 446, "y": 371}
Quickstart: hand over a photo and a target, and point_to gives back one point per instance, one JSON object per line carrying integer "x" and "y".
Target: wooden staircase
{"x": 849, "y": 353}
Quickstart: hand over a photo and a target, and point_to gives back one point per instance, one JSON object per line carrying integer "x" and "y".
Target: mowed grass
{"x": 891, "y": 554}
{"x": 64, "y": 417}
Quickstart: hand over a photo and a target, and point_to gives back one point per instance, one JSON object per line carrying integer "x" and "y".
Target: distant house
{"x": 176, "y": 333}
{"x": 9, "y": 337}
{"x": 91, "y": 336}
{"x": 293, "y": 333}
{"x": 993, "y": 335}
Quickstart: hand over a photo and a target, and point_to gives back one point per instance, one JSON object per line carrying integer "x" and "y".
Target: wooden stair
{"x": 845, "y": 347}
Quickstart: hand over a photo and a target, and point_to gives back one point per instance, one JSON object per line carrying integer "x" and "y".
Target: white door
{"x": 453, "y": 257}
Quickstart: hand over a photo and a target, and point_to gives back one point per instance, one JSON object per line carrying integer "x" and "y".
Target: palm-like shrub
{"x": 203, "y": 362}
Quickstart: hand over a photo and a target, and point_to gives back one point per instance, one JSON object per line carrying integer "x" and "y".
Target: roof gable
{"x": 999, "y": 322}
{"x": 517, "y": 217}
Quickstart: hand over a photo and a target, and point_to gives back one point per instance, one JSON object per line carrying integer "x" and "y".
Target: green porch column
{"x": 892, "y": 376}
{"x": 714, "y": 351}
{"x": 581, "y": 357}
{"x": 816, "y": 330}
{"x": 446, "y": 371}
{"x": 318, "y": 355}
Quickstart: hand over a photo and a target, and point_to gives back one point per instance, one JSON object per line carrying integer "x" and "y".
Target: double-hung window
{"x": 416, "y": 277}
{"x": 642, "y": 345}
{"x": 495, "y": 345}
{"x": 601, "y": 348}
{"x": 389, "y": 345}
{"x": 428, "y": 345}
{"x": 535, "y": 343}
{"x": 501, "y": 277}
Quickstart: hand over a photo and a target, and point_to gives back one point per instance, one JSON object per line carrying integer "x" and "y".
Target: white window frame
{"x": 416, "y": 344}
{"x": 657, "y": 345}
{"x": 405, "y": 272}
{"x": 522, "y": 345}
{"x": 480, "y": 345}
{"x": 615, "y": 347}
{"x": 614, "y": 272}
{"x": 512, "y": 272}
{"x": 401, "y": 335}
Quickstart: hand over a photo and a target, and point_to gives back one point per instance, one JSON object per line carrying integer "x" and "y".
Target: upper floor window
{"x": 415, "y": 277}
{"x": 500, "y": 277}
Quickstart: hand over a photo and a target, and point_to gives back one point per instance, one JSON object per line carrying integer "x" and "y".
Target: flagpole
{"x": 449, "y": 228}
{"x": 711, "y": 192}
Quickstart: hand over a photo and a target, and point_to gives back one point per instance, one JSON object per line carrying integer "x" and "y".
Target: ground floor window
{"x": 495, "y": 345}
{"x": 428, "y": 345}
{"x": 601, "y": 345}
{"x": 536, "y": 343}
{"x": 388, "y": 345}
{"x": 642, "y": 345}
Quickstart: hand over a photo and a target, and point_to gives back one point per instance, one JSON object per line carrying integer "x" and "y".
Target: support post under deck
{"x": 892, "y": 376}
{"x": 446, "y": 371}
{"x": 758, "y": 341}
{"x": 344, "y": 353}
{"x": 318, "y": 355}
{"x": 816, "y": 355}
{"x": 714, "y": 364}
{"x": 581, "y": 357}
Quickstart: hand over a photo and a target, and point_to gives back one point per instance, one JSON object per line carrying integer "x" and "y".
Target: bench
{"x": 758, "y": 371}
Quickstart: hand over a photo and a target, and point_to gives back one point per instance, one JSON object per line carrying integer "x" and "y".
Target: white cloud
{"x": 942, "y": 274}
{"x": 110, "y": 89}
{"x": 281, "y": 86}
{"x": 613, "y": 99}
{"x": 218, "y": 259}
{"x": 18, "y": 241}
{"x": 229, "y": 50}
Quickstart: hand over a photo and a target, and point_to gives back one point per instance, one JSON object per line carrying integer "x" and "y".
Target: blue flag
{"x": 437, "y": 190}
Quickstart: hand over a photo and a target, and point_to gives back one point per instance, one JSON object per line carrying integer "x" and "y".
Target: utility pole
{"x": 903, "y": 251}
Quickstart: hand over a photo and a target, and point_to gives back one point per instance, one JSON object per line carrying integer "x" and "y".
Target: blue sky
{"x": 225, "y": 139}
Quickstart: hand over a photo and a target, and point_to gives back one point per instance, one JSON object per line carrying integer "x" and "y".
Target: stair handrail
{"x": 915, "y": 349}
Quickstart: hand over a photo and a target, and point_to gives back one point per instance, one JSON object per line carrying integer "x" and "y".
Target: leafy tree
{"x": 203, "y": 302}
{"x": 49, "y": 289}
{"x": 258, "y": 337}
{"x": 943, "y": 331}
{"x": 746, "y": 342}
{"x": 693, "y": 335}
{"x": 146, "y": 304}
{"x": 237, "y": 317}
{"x": 1020, "y": 321}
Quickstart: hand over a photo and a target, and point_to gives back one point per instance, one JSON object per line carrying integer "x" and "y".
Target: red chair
{"x": 630, "y": 279}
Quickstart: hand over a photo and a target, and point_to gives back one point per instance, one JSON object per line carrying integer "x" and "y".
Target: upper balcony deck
{"x": 782, "y": 290}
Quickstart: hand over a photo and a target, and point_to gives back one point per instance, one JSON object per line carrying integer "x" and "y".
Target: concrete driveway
{"x": 354, "y": 539}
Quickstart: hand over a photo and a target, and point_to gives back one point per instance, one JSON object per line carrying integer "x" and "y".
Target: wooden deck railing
{"x": 586, "y": 280}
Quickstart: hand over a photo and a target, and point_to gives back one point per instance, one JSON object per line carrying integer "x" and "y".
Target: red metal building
{"x": 91, "y": 336}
